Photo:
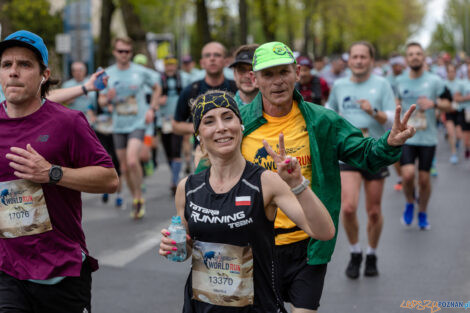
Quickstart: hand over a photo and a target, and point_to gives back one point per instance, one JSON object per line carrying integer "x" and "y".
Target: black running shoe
{"x": 352, "y": 271}
{"x": 371, "y": 265}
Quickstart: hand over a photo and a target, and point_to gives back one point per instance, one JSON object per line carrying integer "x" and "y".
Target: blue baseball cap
{"x": 24, "y": 38}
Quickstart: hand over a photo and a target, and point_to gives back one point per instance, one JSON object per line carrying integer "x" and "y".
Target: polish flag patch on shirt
{"x": 245, "y": 200}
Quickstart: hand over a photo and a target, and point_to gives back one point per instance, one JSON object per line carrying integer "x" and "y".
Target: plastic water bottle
{"x": 177, "y": 234}
{"x": 99, "y": 84}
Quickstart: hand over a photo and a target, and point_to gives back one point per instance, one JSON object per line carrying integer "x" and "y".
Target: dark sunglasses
{"x": 123, "y": 51}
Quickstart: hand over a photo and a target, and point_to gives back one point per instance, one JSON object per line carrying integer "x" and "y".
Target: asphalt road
{"x": 413, "y": 264}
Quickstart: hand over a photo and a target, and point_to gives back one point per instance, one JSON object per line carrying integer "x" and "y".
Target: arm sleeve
{"x": 84, "y": 147}
{"x": 364, "y": 153}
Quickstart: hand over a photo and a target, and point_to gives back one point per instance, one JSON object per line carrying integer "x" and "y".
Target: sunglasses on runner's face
{"x": 215, "y": 55}
{"x": 123, "y": 51}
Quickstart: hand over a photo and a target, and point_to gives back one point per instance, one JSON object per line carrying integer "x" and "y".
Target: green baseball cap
{"x": 272, "y": 54}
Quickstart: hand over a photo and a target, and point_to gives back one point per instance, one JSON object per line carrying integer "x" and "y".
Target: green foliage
{"x": 334, "y": 23}
{"x": 454, "y": 33}
{"x": 385, "y": 23}
{"x": 443, "y": 40}
{"x": 33, "y": 16}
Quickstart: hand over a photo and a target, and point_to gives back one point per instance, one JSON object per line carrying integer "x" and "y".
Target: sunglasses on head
{"x": 123, "y": 51}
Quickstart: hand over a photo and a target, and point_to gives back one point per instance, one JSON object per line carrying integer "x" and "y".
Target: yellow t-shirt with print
{"x": 296, "y": 143}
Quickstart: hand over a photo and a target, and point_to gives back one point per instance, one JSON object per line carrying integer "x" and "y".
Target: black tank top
{"x": 254, "y": 230}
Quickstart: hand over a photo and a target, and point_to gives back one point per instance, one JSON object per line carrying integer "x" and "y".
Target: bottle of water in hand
{"x": 177, "y": 234}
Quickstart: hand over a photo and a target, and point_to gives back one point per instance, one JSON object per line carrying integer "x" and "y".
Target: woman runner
{"x": 229, "y": 210}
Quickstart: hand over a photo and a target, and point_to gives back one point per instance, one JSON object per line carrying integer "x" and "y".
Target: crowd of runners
{"x": 325, "y": 126}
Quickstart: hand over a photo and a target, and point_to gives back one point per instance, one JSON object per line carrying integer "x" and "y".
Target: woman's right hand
{"x": 288, "y": 168}
{"x": 168, "y": 245}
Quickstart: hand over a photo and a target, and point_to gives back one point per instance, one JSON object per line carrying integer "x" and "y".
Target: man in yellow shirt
{"x": 318, "y": 138}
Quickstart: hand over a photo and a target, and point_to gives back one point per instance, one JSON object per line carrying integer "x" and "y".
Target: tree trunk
{"x": 267, "y": 21}
{"x": 104, "y": 42}
{"x": 307, "y": 28}
{"x": 290, "y": 30}
{"x": 203, "y": 22}
{"x": 242, "y": 9}
{"x": 325, "y": 32}
{"x": 7, "y": 29}
{"x": 134, "y": 29}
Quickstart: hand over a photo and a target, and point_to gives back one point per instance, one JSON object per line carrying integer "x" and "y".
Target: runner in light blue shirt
{"x": 424, "y": 91}
{"x": 83, "y": 102}
{"x": 427, "y": 91}
{"x": 366, "y": 101}
{"x": 455, "y": 116}
{"x": 129, "y": 103}
{"x": 347, "y": 98}
{"x": 125, "y": 96}
{"x": 397, "y": 66}
{"x": 464, "y": 100}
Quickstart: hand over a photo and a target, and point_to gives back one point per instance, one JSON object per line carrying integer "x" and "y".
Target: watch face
{"x": 56, "y": 173}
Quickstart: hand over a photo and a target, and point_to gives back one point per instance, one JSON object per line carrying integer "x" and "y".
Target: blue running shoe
{"x": 105, "y": 198}
{"x": 407, "y": 217}
{"x": 423, "y": 221}
{"x": 118, "y": 202}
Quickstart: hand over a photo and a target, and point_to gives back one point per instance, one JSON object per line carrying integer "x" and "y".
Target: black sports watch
{"x": 55, "y": 174}
{"x": 375, "y": 112}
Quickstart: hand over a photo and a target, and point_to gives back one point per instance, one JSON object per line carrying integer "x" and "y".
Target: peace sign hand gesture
{"x": 401, "y": 131}
{"x": 288, "y": 168}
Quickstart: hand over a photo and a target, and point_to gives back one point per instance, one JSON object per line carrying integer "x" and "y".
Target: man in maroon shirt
{"x": 49, "y": 155}
{"x": 313, "y": 88}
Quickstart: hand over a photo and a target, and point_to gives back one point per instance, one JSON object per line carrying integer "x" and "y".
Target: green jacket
{"x": 332, "y": 138}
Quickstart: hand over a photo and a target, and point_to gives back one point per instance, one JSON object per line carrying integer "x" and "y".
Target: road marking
{"x": 120, "y": 258}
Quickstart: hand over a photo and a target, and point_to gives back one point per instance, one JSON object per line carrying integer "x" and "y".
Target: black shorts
{"x": 301, "y": 284}
{"x": 456, "y": 117}
{"x": 465, "y": 125}
{"x": 381, "y": 174}
{"x": 425, "y": 155}
{"x": 120, "y": 140}
{"x": 172, "y": 144}
{"x": 108, "y": 144}
{"x": 71, "y": 295}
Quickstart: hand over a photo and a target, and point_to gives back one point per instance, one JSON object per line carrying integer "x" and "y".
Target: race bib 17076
{"x": 23, "y": 209}
{"x": 222, "y": 274}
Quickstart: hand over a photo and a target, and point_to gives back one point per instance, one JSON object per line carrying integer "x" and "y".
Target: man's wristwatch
{"x": 301, "y": 187}
{"x": 55, "y": 174}
{"x": 375, "y": 112}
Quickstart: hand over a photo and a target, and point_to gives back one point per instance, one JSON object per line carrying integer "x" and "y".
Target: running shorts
{"x": 120, "y": 140}
{"x": 301, "y": 284}
{"x": 465, "y": 125}
{"x": 381, "y": 174}
{"x": 71, "y": 295}
{"x": 456, "y": 117}
{"x": 172, "y": 144}
{"x": 425, "y": 155}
